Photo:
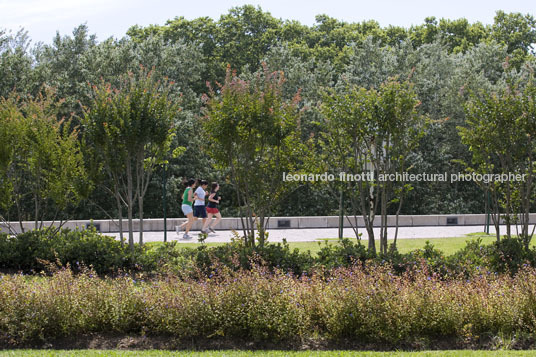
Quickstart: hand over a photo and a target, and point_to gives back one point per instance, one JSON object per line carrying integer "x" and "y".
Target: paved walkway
{"x": 313, "y": 234}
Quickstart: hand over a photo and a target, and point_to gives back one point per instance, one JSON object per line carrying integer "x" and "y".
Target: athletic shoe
{"x": 186, "y": 236}
{"x": 179, "y": 229}
{"x": 212, "y": 230}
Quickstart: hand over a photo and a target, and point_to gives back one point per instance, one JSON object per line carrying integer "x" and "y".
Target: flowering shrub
{"x": 362, "y": 304}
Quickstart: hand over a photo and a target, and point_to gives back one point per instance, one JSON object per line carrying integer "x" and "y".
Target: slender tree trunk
{"x": 368, "y": 216}
{"x": 120, "y": 212}
{"x": 140, "y": 191}
{"x": 496, "y": 216}
{"x": 36, "y": 213}
{"x": 250, "y": 214}
{"x": 130, "y": 204}
{"x": 354, "y": 226}
{"x": 261, "y": 229}
{"x": 241, "y": 211}
{"x": 526, "y": 199}
{"x": 508, "y": 211}
{"x": 251, "y": 218}
{"x": 140, "y": 213}
{"x": 396, "y": 220}
{"x": 383, "y": 234}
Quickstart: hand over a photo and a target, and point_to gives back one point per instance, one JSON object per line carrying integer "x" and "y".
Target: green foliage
{"x": 508, "y": 255}
{"x": 235, "y": 256}
{"x": 254, "y": 132}
{"x": 7, "y": 132}
{"x": 499, "y": 131}
{"x": 129, "y": 130}
{"x": 440, "y": 57}
{"x": 15, "y": 62}
{"x": 345, "y": 254}
{"x": 34, "y": 250}
{"x": 30, "y": 251}
{"x": 365, "y": 131}
{"x": 48, "y": 165}
{"x": 517, "y": 32}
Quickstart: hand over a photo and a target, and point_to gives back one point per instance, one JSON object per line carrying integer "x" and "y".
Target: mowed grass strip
{"x": 230, "y": 353}
{"x": 447, "y": 245}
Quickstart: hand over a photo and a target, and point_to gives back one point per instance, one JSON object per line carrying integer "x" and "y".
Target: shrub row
{"x": 360, "y": 304}
{"x": 29, "y": 252}
{"x": 506, "y": 256}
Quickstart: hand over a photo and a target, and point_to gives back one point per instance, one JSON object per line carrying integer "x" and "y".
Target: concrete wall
{"x": 157, "y": 224}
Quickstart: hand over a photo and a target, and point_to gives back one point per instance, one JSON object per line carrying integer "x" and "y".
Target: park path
{"x": 313, "y": 234}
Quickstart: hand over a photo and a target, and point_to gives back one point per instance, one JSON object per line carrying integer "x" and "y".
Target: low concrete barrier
{"x": 157, "y": 224}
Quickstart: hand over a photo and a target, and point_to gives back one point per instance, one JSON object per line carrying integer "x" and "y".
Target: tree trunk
{"x": 130, "y": 205}
{"x": 140, "y": 213}
{"x": 368, "y": 217}
{"x": 383, "y": 228}
{"x": 496, "y": 216}
{"x": 36, "y": 212}
{"x": 396, "y": 221}
{"x": 120, "y": 213}
{"x": 140, "y": 191}
{"x": 261, "y": 229}
{"x": 508, "y": 211}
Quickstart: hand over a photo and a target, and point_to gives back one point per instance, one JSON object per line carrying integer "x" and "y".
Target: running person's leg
{"x": 208, "y": 220}
{"x": 201, "y": 212}
{"x": 189, "y": 223}
{"x": 218, "y": 219}
{"x": 188, "y": 212}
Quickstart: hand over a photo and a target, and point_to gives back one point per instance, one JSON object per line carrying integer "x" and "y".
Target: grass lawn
{"x": 231, "y": 353}
{"x": 446, "y": 245}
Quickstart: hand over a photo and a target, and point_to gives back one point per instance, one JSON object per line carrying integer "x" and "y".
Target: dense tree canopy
{"x": 442, "y": 59}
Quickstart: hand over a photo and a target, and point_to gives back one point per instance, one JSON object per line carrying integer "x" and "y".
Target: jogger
{"x": 212, "y": 208}
{"x": 200, "y": 210}
{"x": 187, "y": 201}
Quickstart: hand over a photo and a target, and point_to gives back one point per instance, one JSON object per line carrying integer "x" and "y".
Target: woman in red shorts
{"x": 212, "y": 208}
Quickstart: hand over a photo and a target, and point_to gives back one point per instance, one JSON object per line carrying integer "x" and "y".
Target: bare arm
{"x": 190, "y": 197}
{"x": 211, "y": 198}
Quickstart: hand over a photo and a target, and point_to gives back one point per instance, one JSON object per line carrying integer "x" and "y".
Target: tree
{"x": 182, "y": 65}
{"x": 254, "y": 133}
{"x": 63, "y": 66}
{"x": 371, "y": 130}
{"x": 130, "y": 129}
{"x": 370, "y": 64}
{"x": 309, "y": 77}
{"x": 15, "y": 63}
{"x": 516, "y": 31}
{"x": 41, "y": 161}
{"x": 7, "y": 152}
{"x": 499, "y": 132}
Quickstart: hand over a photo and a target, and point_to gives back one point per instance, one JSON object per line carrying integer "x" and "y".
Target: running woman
{"x": 212, "y": 208}
{"x": 200, "y": 210}
{"x": 187, "y": 201}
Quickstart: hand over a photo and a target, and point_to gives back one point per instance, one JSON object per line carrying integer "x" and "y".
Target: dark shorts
{"x": 200, "y": 211}
{"x": 212, "y": 210}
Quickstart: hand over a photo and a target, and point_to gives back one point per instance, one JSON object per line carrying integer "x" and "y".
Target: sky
{"x": 112, "y": 18}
